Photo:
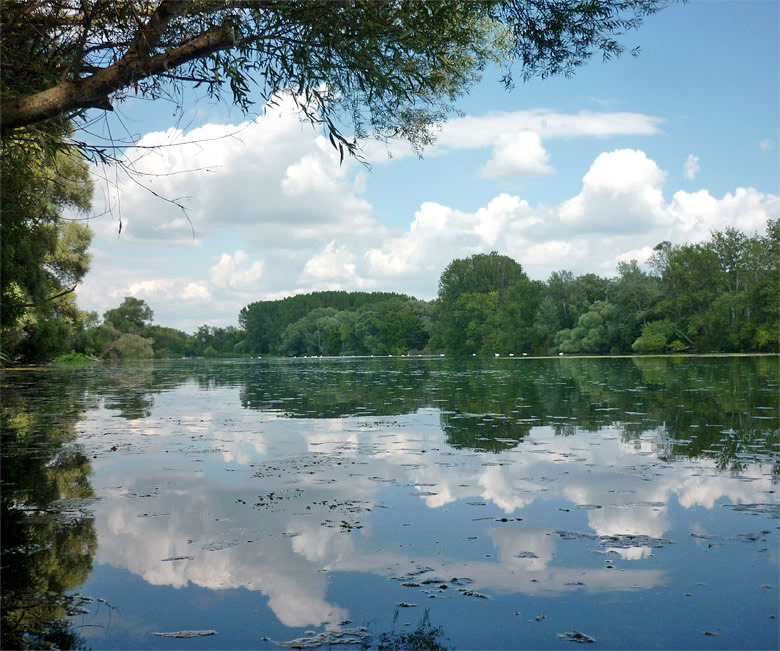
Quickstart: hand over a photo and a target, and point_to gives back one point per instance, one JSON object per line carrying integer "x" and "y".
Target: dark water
{"x": 396, "y": 502}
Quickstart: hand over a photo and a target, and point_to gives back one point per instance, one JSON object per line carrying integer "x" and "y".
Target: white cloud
{"x": 517, "y": 154}
{"x": 274, "y": 172}
{"x": 767, "y": 144}
{"x": 471, "y": 132}
{"x": 333, "y": 269}
{"x": 498, "y": 129}
{"x": 691, "y": 167}
{"x": 621, "y": 193}
{"x": 197, "y": 292}
{"x": 229, "y": 274}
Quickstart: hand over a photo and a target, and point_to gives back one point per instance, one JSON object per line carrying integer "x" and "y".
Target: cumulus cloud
{"x": 622, "y": 192}
{"x": 274, "y": 172}
{"x": 691, "y": 167}
{"x": 230, "y": 272}
{"x": 516, "y": 137}
{"x": 517, "y": 154}
{"x": 471, "y": 132}
{"x": 332, "y": 269}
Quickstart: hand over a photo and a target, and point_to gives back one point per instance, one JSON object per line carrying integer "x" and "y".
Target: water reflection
{"x": 49, "y": 539}
{"x": 429, "y": 480}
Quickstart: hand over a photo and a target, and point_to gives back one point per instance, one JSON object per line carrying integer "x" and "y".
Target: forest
{"x": 720, "y": 295}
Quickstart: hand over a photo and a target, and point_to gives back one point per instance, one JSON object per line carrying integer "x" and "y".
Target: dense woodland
{"x": 719, "y": 295}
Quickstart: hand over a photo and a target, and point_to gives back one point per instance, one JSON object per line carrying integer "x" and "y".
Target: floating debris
{"x": 769, "y": 510}
{"x": 186, "y": 634}
{"x": 357, "y": 635}
{"x": 576, "y": 636}
{"x": 178, "y": 558}
{"x": 618, "y": 541}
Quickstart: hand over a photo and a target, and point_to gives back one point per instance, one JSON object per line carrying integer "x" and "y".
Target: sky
{"x": 573, "y": 174}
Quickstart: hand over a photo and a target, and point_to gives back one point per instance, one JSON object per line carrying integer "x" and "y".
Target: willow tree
{"x": 385, "y": 68}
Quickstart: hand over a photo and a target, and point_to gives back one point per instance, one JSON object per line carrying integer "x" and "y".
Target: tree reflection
{"x": 721, "y": 408}
{"x": 48, "y": 542}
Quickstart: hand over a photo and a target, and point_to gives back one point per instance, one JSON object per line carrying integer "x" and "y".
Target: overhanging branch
{"x": 94, "y": 91}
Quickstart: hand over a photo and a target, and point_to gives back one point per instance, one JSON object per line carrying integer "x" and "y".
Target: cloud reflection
{"x": 302, "y": 501}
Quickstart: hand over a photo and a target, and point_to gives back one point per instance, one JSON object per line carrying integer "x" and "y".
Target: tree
{"x": 133, "y": 315}
{"x": 481, "y": 273}
{"x": 635, "y": 295}
{"x": 43, "y": 257}
{"x": 592, "y": 334}
{"x": 470, "y": 290}
{"x": 656, "y": 335}
{"x": 390, "y": 68}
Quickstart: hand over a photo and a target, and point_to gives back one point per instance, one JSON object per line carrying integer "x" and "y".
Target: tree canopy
{"x": 381, "y": 67}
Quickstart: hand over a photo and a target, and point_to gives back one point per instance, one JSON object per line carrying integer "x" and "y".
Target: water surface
{"x": 475, "y": 504}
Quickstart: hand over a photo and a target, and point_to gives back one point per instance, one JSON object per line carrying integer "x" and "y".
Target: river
{"x": 512, "y": 503}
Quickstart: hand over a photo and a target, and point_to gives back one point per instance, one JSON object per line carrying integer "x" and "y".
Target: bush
{"x": 129, "y": 346}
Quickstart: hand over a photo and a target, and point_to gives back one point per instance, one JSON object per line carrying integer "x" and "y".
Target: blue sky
{"x": 575, "y": 174}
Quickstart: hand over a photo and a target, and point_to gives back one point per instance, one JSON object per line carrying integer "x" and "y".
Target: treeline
{"x": 337, "y": 323}
{"x": 127, "y": 332}
{"x": 719, "y": 295}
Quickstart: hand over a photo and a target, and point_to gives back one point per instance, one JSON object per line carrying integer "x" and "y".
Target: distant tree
{"x": 635, "y": 295}
{"x": 133, "y": 315}
{"x": 166, "y": 342}
{"x": 592, "y": 332}
{"x": 659, "y": 336}
{"x": 470, "y": 289}
{"x": 482, "y": 273}
{"x": 264, "y": 322}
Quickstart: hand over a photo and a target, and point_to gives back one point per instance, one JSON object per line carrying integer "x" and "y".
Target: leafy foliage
{"x": 720, "y": 295}
{"x": 265, "y": 321}
{"x": 131, "y": 316}
{"x": 383, "y": 68}
{"x": 43, "y": 256}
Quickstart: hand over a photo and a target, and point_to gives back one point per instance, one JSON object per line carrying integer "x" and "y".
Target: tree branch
{"x": 93, "y": 91}
{"x": 51, "y": 298}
